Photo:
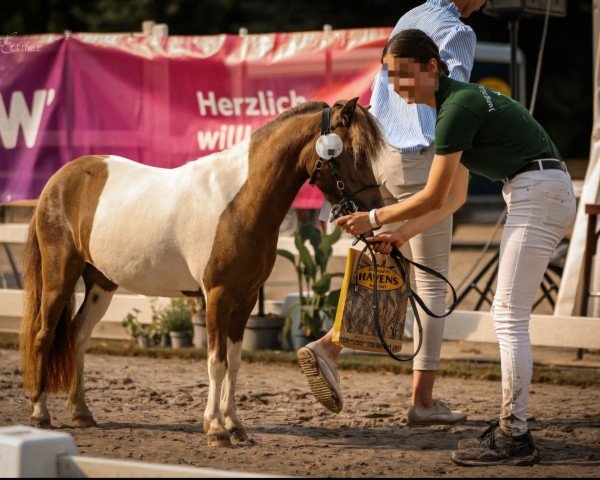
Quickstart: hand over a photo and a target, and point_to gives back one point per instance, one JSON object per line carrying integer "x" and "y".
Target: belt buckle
{"x": 540, "y": 163}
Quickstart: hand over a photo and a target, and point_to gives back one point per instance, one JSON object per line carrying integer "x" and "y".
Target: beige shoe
{"x": 438, "y": 414}
{"x": 322, "y": 375}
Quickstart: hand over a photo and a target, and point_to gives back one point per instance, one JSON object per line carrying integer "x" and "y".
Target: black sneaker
{"x": 498, "y": 448}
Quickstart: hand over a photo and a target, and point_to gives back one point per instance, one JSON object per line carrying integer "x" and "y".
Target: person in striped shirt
{"x": 403, "y": 170}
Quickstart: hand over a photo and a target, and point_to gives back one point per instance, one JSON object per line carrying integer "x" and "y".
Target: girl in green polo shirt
{"x": 482, "y": 131}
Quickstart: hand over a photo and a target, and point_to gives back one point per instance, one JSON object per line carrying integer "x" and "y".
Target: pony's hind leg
{"x": 218, "y": 313}
{"x": 234, "y": 358}
{"x": 52, "y": 369}
{"x": 98, "y": 294}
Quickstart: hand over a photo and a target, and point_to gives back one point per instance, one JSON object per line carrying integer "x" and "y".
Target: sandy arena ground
{"x": 149, "y": 409}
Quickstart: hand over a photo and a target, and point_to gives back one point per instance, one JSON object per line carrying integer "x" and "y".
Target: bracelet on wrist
{"x": 373, "y": 219}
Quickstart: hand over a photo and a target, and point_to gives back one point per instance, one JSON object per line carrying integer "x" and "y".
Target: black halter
{"x": 346, "y": 205}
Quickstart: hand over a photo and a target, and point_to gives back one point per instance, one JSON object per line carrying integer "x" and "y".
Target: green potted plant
{"x": 177, "y": 320}
{"x": 144, "y": 333}
{"x": 315, "y": 301}
{"x": 263, "y": 331}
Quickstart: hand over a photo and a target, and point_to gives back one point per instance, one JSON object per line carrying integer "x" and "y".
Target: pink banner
{"x": 163, "y": 101}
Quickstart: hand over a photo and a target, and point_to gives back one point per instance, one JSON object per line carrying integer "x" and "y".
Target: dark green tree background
{"x": 564, "y": 104}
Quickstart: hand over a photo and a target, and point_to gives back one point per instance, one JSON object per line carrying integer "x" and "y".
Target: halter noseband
{"x": 329, "y": 147}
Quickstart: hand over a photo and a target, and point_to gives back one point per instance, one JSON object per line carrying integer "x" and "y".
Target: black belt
{"x": 535, "y": 165}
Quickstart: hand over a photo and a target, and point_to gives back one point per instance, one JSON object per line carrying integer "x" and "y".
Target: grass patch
{"x": 468, "y": 370}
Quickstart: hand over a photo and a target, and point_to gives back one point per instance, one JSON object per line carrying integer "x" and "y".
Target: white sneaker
{"x": 322, "y": 375}
{"x": 438, "y": 414}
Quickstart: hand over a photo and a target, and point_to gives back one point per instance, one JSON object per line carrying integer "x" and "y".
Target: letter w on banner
{"x": 166, "y": 101}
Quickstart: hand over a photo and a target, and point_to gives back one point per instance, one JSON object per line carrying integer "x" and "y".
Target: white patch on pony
{"x": 97, "y": 302}
{"x": 216, "y": 374}
{"x": 154, "y": 228}
{"x": 40, "y": 410}
{"x": 234, "y": 360}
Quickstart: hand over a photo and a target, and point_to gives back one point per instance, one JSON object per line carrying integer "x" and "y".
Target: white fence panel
{"x": 32, "y": 452}
{"x": 545, "y": 330}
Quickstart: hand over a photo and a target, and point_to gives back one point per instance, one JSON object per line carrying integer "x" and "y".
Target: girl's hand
{"x": 355, "y": 224}
{"x": 381, "y": 247}
{"x": 384, "y": 242}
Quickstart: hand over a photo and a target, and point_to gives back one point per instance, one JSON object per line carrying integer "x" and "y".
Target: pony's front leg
{"x": 232, "y": 422}
{"x": 218, "y": 312}
{"x": 239, "y": 319}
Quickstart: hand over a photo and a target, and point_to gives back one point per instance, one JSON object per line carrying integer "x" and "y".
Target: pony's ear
{"x": 367, "y": 107}
{"x": 347, "y": 111}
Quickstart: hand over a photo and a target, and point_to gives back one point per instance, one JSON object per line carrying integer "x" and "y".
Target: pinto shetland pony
{"x": 208, "y": 226}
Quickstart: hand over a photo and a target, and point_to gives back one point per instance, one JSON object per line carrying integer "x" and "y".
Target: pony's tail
{"x": 59, "y": 369}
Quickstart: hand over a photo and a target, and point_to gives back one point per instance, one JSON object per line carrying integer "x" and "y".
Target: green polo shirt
{"x": 496, "y": 134}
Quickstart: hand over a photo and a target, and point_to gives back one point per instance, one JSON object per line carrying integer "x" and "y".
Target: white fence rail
{"x": 11, "y": 312}
{"x": 11, "y": 300}
{"x": 73, "y": 466}
{"x": 545, "y": 330}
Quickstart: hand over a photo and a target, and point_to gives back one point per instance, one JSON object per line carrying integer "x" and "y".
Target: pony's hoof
{"x": 219, "y": 439}
{"x": 238, "y": 435}
{"x": 40, "y": 422}
{"x": 84, "y": 422}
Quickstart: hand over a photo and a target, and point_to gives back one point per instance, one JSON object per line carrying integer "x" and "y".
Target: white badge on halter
{"x": 329, "y": 146}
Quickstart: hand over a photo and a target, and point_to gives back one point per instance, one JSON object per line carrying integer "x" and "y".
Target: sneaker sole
{"x": 319, "y": 387}
{"x": 515, "y": 462}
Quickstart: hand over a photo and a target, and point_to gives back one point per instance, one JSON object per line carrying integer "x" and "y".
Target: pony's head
{"x": 351, "y": 167}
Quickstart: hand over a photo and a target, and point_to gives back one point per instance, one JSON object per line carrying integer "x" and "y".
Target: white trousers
{"x": 541, "y": 209}
{"x": 403, "y": 175}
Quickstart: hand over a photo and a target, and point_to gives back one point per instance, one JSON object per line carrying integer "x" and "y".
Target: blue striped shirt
{"x": 410, "y": 128}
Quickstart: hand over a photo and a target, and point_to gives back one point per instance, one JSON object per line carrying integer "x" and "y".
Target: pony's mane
{"x": 367, "y": 140}
{"x": 302, "y": 108}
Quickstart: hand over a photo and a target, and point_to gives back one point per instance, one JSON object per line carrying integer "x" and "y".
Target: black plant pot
{"x": 165, "y": 340}
{"x": 180, "y": 339}
{"x": 263, "y": 332}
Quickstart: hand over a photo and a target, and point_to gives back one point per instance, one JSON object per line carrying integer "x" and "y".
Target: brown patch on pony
{"x": 55, "y": 254}
{"x": 84, "y": 178}
{"x": 280, "y": 156}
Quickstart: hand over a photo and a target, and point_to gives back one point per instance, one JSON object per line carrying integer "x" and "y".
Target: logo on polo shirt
{"x": 487, "y": 98}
